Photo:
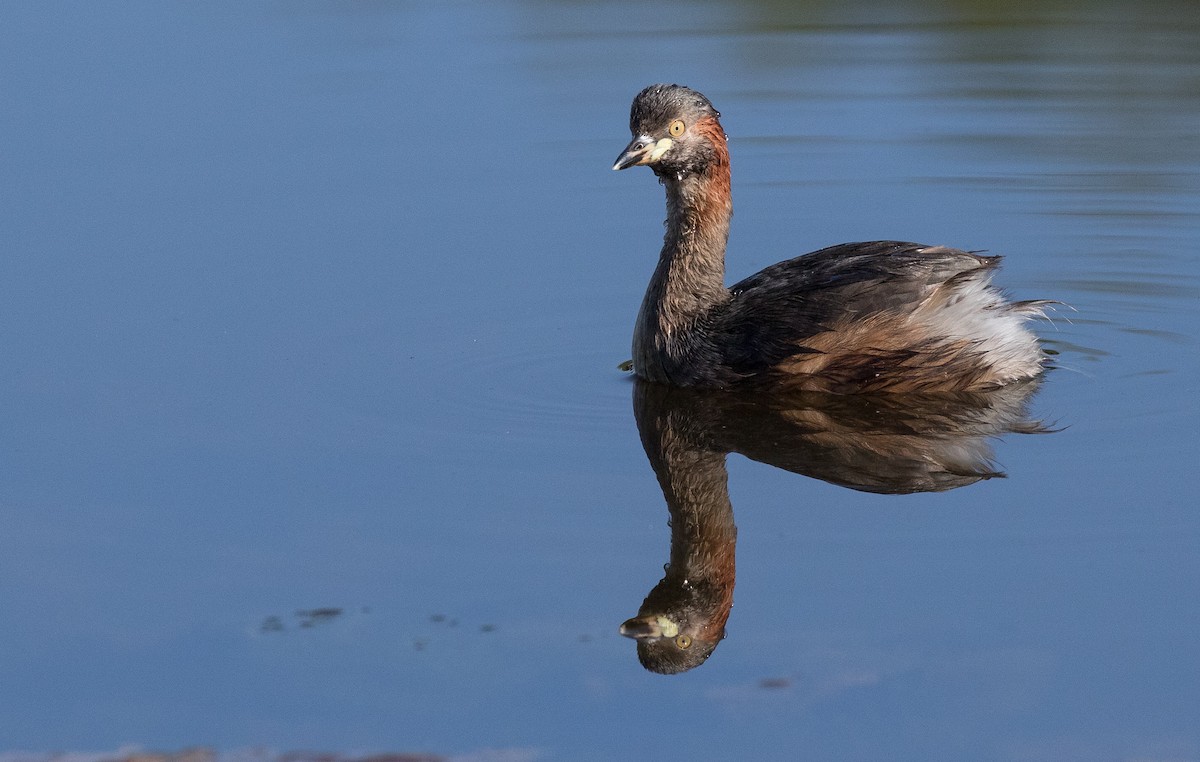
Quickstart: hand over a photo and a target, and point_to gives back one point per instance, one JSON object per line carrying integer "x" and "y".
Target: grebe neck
{"x": 689, "y": 281}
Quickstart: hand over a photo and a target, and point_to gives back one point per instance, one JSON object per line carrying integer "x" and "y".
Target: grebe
{"x": 858, "y": 317}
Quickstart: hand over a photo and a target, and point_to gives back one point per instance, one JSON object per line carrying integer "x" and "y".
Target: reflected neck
{"x": 694, "y": 482}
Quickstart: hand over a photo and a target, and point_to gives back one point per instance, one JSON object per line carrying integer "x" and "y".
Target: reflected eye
{"x": 677, "y": 128}
{"x": 681, "y": 640}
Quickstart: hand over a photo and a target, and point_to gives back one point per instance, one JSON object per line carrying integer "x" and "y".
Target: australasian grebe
{"x": 858, "y": 317}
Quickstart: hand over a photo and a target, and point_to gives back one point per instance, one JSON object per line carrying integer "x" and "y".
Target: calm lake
{"x": 315, "y": 440}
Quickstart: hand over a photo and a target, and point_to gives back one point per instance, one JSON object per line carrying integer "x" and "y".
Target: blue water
{"x": 313, "y": 306}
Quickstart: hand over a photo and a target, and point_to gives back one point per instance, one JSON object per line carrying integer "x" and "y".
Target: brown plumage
{"x": 880, "y": 316}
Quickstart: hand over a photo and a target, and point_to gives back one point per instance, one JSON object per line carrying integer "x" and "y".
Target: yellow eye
{"x": 681, "y": 640}
{"x": 677, "y": 130}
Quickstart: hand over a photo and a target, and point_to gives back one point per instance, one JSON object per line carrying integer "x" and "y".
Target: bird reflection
{"x": 888, "y": 444}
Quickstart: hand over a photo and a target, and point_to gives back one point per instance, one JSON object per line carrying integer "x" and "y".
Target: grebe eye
{"x": 677, "y": 128}
{"x": 681, "y": 640}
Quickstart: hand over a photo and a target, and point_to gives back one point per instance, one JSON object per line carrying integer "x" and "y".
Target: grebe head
{"x": 675, "y": 132}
